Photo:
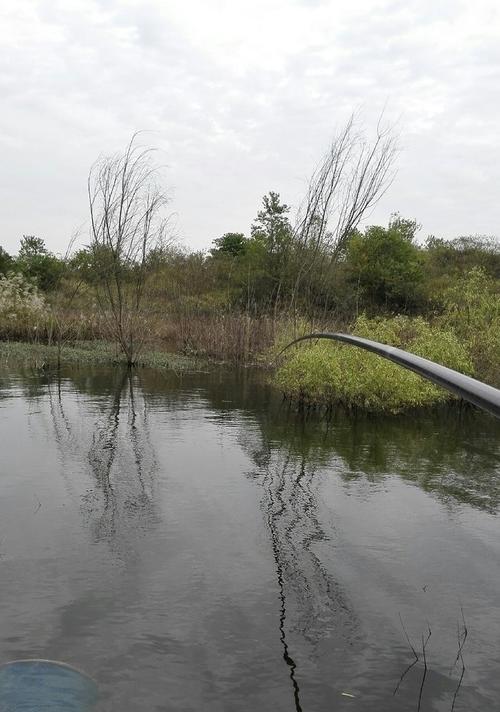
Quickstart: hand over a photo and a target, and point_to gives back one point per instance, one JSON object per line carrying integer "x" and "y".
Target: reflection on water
{"x": 312, "y": 606}
{"x": 123, "y": 464}
{"x": 119, "y": 453}
{"x": 193, "y": 544}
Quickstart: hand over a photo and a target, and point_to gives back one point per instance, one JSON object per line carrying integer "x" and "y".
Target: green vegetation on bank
{"x": 464, "y": 335}
{"x": 459, "y": 328}
{"x": 42, "y": 356}
{"x": 324, "y": 373}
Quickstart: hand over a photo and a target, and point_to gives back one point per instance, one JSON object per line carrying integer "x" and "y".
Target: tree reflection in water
{"x": 314, "y": 613}
{"x": 120, "y": 456}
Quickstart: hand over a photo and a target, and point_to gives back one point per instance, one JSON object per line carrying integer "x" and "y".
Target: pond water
{"x": 194, "y": 545}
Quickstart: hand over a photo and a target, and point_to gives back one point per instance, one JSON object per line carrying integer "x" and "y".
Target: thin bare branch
{"x": 348, "y": 182}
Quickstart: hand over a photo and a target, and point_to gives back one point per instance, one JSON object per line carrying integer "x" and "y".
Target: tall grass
{"x": 220, "y": 336}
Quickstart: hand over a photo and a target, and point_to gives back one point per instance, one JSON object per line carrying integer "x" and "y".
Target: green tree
{"x": 386, "y": 266}
{"x": 91, "y": 264}
{"x": 406, "y": 228}
{"x": 38, "y": 264}
{"x": 451, "y": 258}
{"x": 233, "y": 244}
{"x": 272, "y": 225}
{"x": 272, "y": 230}
{"x": 6, "y": 261}
{"x": 31, "y": 247}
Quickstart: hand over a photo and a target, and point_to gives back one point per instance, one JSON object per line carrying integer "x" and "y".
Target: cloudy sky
{"x": 243, "y": 96}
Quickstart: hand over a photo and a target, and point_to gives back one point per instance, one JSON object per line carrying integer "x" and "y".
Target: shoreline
{"x": 44, "y": 356}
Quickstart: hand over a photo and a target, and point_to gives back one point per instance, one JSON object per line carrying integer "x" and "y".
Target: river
{"x": 193, "y": 544}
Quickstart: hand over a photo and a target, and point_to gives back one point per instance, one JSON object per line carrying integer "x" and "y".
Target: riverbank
{"x": 312, "y": 375}
{"x": 42, "y": 356}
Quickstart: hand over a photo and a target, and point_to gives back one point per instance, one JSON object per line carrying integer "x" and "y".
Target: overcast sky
{"x": 242, "y": 97}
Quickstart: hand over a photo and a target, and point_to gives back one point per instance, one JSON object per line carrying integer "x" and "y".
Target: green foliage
{"x": 271, "y": 225}
{"x": 325, "y": 373}
{"x": 386, "y": 266}
{"x": 94, "y": 264}
{"x": 446, "y": 261}
{"x": 454, "y": 257}
{"x": 82, "y": 264}
{"x": 472, "y": 310}
{"x": 275, "y": 280}
{"x": 254, "y": 270}
{"x": 232, "y": 244}
{"x": 406, "y": 227}
{"x": 6, "y": 261}
{"x": 32, "y": 246}
{"x": 39, "y": 265}
{"x": 272, "y": 240}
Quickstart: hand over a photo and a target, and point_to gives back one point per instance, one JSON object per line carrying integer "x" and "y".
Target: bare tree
{"x": 127, "y": 212}
{"x": 349, "y": 180}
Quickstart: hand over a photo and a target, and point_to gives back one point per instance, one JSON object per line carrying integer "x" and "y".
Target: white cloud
{"x": 243, "y": 97}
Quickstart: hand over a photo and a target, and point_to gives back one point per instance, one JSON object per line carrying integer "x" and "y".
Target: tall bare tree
{"x": 349, "y": 180}
{"x": 127, "y": 213}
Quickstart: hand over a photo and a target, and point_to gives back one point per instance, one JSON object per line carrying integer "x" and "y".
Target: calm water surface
{"x": 193, "y": 545}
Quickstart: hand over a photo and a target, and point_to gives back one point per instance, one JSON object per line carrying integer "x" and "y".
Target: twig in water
{"x": 404, "y": 674}
{"x": 462, "y": 637}
{"x": 424, "y": 645}
{"x": 39, "y": 505}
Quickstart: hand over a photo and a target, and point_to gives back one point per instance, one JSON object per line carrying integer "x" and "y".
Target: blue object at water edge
{"x": 45, "y": 686}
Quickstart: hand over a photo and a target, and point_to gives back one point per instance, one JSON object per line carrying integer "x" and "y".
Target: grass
{"x": 42, "y": 356}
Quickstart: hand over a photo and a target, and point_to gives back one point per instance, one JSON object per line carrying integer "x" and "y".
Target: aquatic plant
{"x": 327, "y": 373}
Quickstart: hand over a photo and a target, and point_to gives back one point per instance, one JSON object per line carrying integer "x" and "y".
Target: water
{"x": 193, "y": 545}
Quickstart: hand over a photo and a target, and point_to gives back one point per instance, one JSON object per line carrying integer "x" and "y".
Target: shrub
{"x": 325, "y": 373}
{"x": 472, "y": 310}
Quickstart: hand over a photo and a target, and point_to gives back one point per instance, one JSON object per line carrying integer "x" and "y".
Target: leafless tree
{"x": 127, "y": 213}
{"x": 349, "y": 180}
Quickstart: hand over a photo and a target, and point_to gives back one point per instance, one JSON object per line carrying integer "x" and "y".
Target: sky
{"x": 243, "y": 97}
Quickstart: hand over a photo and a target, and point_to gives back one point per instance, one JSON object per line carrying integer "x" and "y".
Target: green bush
{"x": 325, "y": 373}
{"x": 386, "y": 266}
{"x": 472, "y": 311}
{"x": 39, "y": 265}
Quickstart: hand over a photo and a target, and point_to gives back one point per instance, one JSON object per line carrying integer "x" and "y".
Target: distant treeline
{"x": 379, "y": 271}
